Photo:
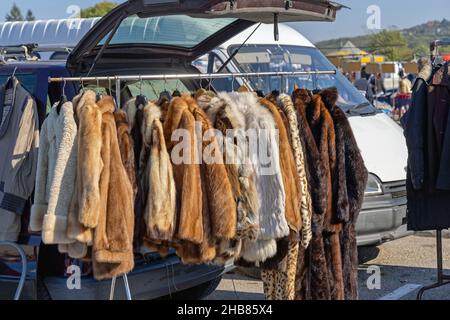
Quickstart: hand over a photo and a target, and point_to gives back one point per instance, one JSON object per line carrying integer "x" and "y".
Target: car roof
{"x": 32, "y": 65}
{"x": 264, "y": 36}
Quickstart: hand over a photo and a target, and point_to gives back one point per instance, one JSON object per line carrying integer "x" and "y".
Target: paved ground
{"x": 404, "y": 265}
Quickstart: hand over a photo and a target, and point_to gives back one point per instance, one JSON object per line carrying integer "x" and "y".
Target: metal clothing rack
{"x": 200, "y": 76}
{"x": 24, "y": 272}
{"x": 442, "y": 279}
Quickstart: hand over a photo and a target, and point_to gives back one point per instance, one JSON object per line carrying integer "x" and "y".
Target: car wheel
{"x": 367, "y": 253}
{"x": 42, "y": 291}
{"x": 199, "y": 292}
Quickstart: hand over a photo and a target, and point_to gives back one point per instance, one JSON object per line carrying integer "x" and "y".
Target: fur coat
{"x": 160, "y": 204}
{"x": 55, "y": 179}
{"x": 312, "y": 268}
{"x": 286, "y": 104}
{"x": 101, "y": 214}
{"x": 348, "y": 192}
{"x": 271, "y": 194}
{"x": 241, "y": 175}
{"x": 126, "y": 146}
{"x": 206, "y": 207}
{"x": 112, "y": 247}
{"x": 331, "y": 260}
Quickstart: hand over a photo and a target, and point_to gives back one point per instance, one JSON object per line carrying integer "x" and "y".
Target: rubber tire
{"x": 367, "y": 253}
{"x": 41, "y": 290}
{"x": 198, "y": 292}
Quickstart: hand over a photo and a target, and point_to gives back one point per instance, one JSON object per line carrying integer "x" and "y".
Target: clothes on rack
{"x": 269, "y": 181}
{"x": 19, "y": 143}
{"x": 428, "y": 139}
{"x": 89, "y": 191}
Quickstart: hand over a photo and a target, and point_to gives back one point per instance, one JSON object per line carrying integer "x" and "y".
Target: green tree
{"x": 98, "y": 10}
{"x": 391, "y": 44}
{"x": 14, "y": 14}
{"x": 30, "y": 16}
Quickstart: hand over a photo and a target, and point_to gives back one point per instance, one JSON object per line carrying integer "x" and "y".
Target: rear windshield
{"x": 177, "y": 30}
{"x": 278, "y": 58}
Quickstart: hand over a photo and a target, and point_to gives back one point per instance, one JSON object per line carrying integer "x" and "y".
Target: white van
{"x": 380, "y": 139}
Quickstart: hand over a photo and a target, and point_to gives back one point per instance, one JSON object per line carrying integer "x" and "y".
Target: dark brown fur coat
{"x": 350, "y": 182}
{"x": 337, "y": 176}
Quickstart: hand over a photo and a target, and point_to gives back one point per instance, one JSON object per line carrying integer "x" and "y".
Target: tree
{"x": 391, "y": 44}
{"x": 30, "y": 16}
{"x": 14, "y": 14}
{"x": 98, "y": 10}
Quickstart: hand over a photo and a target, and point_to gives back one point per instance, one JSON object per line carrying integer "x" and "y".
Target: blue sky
{"x": 401, "y": 13}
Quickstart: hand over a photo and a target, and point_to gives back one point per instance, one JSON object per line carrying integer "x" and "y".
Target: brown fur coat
{"x": 314, "y": 268}
{"x": 207, "y": 210}
{"x": 331, "y": 260}
{"x": 348, "y": 192}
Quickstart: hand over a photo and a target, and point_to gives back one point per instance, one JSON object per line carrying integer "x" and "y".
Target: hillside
{"x": 418, "y": 38}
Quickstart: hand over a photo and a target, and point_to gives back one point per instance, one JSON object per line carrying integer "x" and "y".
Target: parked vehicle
{"x": 381, "y": 140}
{"x": 142, "y": 37}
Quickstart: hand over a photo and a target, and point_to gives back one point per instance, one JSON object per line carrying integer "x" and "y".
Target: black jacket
{"x": 425, "y": 210}
{"x": 414, "y": 124}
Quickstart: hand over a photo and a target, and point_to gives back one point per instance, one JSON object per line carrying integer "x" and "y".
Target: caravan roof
{"x": 64, "y": 33}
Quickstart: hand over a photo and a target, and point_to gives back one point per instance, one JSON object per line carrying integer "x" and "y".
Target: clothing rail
{"x": 192, "y": 76}
{"x": 200, "y": 76}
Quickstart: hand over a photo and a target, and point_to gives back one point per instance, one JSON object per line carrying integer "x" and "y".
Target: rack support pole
{"x": 442, "y": 279}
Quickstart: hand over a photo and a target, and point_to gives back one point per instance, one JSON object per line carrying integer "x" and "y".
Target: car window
{"x": 280, "y": 58}
{"x": 177, "y": 30}
{"x": 28, "y": 80}
{"x": 211, "y": 63}
{"x": 152, "y": 88}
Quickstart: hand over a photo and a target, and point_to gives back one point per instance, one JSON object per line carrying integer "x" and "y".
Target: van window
{"x": 283, "y": 58}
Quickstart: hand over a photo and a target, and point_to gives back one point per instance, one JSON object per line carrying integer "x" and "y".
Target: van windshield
{"x": 283, "y": 58}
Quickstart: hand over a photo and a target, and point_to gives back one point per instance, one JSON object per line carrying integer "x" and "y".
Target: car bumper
{"x": 381, "y": 219}
{"x": 157, "y": 279}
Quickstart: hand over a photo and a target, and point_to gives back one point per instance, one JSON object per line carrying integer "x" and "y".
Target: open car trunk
{"x": 179, "y": 31}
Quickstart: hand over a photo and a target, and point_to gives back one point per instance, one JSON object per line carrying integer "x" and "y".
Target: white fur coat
{"x": 271, "y": 194}
{"x": 56, "y": 173}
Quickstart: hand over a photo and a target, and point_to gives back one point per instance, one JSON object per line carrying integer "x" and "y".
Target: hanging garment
{"x": 312, "y": 271}
{"x": 113, "y": 238}
{"x": 291, "y": 180}
{"x": 270, "y": 189}
{"x": 19, "y": 143}
{"x": 427, "y": 174}
{"x": 207, "y": 211}
{"x": 279, "y": 284}
{"x": 286, "y": 104}
{"x": 126, "y": 147}
{"x": 55, "y": 178}
{"x": 241, "y": 175}
{"x": 135, "y": 119}
{"x": 158, "y": 181}
{"x": 349, "y": 183}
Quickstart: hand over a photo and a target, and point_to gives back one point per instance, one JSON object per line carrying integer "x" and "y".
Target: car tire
{"x": 367, "y": 253}
{"x": 41, "y": 290}
{"x": 198, "y": 292}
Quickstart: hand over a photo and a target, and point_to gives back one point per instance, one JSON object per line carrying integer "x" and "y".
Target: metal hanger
{"x": 141, "y": 99}
{"x": 63, "y": 98}
{"x": 98, "y": 95}
{"x": 176, "y": 92}
{"x": 10, "y": 81}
